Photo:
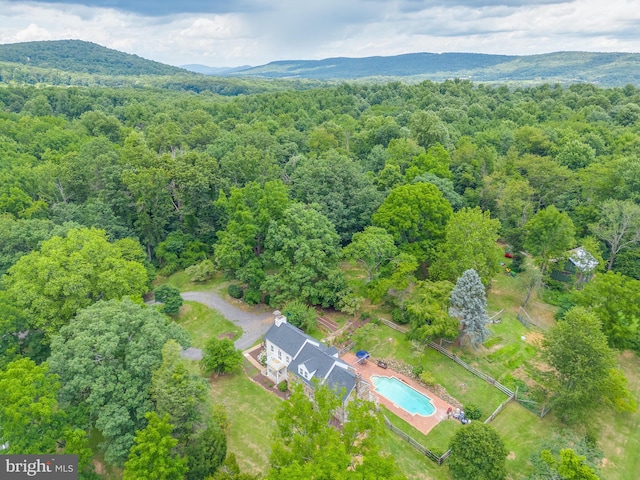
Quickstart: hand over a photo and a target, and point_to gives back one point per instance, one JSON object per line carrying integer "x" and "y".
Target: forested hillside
{"x": 102, "y": 189}
{"x": 609, "y": 69}
{"x": 82, "y": 57}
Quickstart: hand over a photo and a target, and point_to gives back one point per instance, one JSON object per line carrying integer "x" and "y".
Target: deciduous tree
{"x": 619, "y": 226}
{"x": 477, "y": 452}
{"x": 550, "y": 233}
{"x": 372, "y": 249}
{"x": 67, "y": 274}
{"x": 585, "y": 376}
{"x": 220, "y": 356}
{"x": 470, "y": 243}
{"x": 29, "y": 415}
{"x": 308, "y": 446}
{"x": 152, "y": 455}
{"x": 304, "y": 248}
{"x": 415, "y": 215}
{"x": 105, "y": 358}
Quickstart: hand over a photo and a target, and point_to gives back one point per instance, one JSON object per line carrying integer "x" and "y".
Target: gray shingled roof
{"x": 322, "y": 363}
{"x": 288, "y": 338}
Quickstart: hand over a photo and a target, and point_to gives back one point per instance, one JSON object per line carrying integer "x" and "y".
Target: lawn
{"x": 250, "y": 412}
{"x": 523, "y": 434}
{"x": 202, "y": 323}
{"x": 183, "y": 282}
{"x": 620, "y": 433}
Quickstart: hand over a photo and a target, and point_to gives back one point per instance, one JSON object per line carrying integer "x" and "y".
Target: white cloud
{"x": 288, "y": 29}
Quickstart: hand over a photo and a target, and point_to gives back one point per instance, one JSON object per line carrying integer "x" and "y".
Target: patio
{"x": 422, "y": 423}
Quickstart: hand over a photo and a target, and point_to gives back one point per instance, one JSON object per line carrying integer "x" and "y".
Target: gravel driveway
{"x": 253, "y": 325}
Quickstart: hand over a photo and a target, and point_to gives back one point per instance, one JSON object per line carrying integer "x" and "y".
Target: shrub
{"x": 283, "y": 386}
{"x": 375, "y": 320}
{"x": 517, "y": 265}
{"x": 300, "y": 315}
{"x": 201, "y": 272}
{"x": 472, "y": 412}
{"x": 262, "y": 358}
{"x": 252, "y": 296}
{"x": 235, "y": 291}
{"x": 170, "y": 298}
{"x": 428, "y": 378}
{"x": 417, "y": 371}
{"x": 399, "y": 315}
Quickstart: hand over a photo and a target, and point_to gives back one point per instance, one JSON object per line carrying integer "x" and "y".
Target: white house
{"x": 295, "y": 356}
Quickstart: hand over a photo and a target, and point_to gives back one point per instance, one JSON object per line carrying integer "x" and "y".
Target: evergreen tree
{"x": 469, "y": 305}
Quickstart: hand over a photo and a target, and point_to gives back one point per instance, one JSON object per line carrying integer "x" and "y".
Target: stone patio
{"x": 422, "y": 423}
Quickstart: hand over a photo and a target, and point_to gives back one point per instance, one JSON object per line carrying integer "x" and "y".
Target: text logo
{"x": 44, "y": 467}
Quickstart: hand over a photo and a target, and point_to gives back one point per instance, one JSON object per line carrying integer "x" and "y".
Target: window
{"x": 288, "y": 358}
{"x": 272, "y": 348}
{"x": 280, "y": 354}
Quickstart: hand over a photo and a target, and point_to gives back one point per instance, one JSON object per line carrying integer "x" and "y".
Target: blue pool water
{"x": 403, "y": 395}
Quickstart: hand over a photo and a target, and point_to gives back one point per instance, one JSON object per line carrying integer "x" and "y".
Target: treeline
{"x": 102, "y": 188}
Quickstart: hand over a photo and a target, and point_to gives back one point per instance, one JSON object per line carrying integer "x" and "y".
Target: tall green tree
{"x": 105, "y": 358}
{"x": 416, "y": 216}
{"x": 305, "y": 250}
{"x": 615, "y": 299}
{"x": 30, "y": 421}
{"x": 477, "y": 452}
{"x": 338, "y": 184}
{"x": 618, "y": 226}
{"x": 428, "y": 313}
{"x": 220, "y": 356}
{"x": 585, "y": 376}
{"x": 67, "y": 274}
{"x": 180, "y": 392}
{"x": 469, "y": 304}
{"x": 250, "y": 210}
{"x": 152, "y": 455}
{"x": 372, "y": 249}
{"x": 307, "y": 445}
{"x": 470, "y": 243}
{"x": 550, "y": 233}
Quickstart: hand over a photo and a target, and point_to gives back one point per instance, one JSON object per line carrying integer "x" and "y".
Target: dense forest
{"x": 102, "y": 189}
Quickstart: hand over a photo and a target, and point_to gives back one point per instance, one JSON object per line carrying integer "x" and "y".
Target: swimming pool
{"x": 403, "y": 395}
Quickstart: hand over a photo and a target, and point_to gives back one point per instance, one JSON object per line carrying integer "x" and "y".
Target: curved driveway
{"x": 253, "y": 325}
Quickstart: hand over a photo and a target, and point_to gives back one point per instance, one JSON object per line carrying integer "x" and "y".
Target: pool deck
{"x": 424, "y": 424}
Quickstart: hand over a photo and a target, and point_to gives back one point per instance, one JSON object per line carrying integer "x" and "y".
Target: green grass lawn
{"x": 202, "y": 323}
{"x": 620, "y": 432}
{"x": 250, "y": 412}
{"x": 438, "y": 439}
{"x": 522, "y": 433}
{"x": 412, "y": 463}
{"x": 182, "y": 281}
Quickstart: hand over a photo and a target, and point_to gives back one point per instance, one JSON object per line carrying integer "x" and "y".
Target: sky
{"x": 254, "y": 32}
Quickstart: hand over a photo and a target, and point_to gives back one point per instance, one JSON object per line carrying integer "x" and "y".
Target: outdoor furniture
{"x": 362, "y": 356}
{"x": 381, "y": 364}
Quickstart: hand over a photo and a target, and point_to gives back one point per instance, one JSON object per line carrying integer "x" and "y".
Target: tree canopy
{"x": 67, "y": 274}
{"x": 585, "y": 376}
{"x": 105, "y": 358}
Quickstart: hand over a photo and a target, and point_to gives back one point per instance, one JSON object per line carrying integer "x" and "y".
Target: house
{"x": 579, "y": 267}
{"x": 295, "y": 356}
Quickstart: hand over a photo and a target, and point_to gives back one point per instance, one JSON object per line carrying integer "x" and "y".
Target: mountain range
{"x": 86, "y": 58}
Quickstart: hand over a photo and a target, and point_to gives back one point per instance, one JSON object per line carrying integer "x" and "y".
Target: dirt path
{"x": 253, "y": 324}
